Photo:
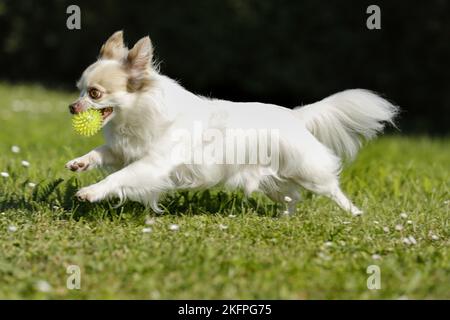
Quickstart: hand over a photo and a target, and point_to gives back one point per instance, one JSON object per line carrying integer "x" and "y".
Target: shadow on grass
{"x": 58, "y": 196}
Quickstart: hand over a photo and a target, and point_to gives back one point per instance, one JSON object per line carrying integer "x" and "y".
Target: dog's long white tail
{"x": 341, "y": 120}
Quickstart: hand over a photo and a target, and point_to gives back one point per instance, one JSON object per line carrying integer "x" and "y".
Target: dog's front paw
{"x": 78, "y": 165}
{"x": 92, "y": 194}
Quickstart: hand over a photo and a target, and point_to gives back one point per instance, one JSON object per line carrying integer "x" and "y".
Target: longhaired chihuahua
{"x": 160, "y": 137}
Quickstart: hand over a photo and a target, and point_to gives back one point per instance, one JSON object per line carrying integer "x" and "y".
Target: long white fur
{"x": 313, "y": 141}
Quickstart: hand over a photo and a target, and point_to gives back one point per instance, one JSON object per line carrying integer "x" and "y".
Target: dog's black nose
{"x": 72, "y": 108}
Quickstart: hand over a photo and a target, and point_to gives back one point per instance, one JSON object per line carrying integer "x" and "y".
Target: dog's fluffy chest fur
{"x": 124, "y": 145}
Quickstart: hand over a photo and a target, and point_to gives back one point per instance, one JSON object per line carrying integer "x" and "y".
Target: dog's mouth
{"x": 106, "y": 112}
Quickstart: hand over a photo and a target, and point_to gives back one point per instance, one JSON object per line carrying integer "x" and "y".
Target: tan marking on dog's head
{"x": 109, "y": 75}
{"x": 120, "y": 69}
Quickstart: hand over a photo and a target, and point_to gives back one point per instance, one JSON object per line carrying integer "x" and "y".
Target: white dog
{"x": 146, "y": 113}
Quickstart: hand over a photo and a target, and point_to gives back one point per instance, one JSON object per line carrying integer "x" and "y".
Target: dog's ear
{"x": 140, "y": 56}
{"x": 138, "y": 64}
{"x": 114, "y": 47}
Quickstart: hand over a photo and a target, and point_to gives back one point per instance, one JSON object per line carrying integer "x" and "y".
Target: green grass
{"x": 258, "y": 255}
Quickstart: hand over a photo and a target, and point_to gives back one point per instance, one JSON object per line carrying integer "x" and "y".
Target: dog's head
{"x": 111, "y": 82}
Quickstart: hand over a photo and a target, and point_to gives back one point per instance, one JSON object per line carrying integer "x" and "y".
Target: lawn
{"x": 215, "y": 244}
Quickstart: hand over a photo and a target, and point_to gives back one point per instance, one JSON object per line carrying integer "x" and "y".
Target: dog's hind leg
{"x": 334, "y": 192}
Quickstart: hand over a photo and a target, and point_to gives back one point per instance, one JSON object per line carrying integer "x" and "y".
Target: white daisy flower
{"x": 287, "y": 199}
{"x": 328, "y": 244}
{"x": 409, "y": 222}
{"x": 147, "y": 230}
{"x": 31, "y": 184}
{"x": 406, "y": 241}
{"x": 223, "y": 227}
{"x": 174, "y": 227}
{"x": 403, "y": 215}
{"x": 231, "y": 216}
{"x": 4, "y": 174}
{"x": 25, "y": 163}
{"x": 150, "y": 221}
{"x": 434, "y": 237}
{"x": 399, "y": 227}
{"x": 43, "y": 286}
{"x": 12, "y": 228}
{"x": 412, "y": 240}
{"x": 155, "y": 295}
{"x": 324, "y": 256}
{"x": 15, "y": 149}
{"x": 376, "y": 257}
{"x": 386, "y": 229}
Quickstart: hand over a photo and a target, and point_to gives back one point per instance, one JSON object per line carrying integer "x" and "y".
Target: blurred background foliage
{"x": 284, "y": 52}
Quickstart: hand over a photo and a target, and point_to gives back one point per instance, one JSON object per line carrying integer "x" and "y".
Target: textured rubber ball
{"x": 87, "y": 123}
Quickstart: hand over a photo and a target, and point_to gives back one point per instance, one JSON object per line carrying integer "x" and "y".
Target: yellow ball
{"x": 87, "y": 123}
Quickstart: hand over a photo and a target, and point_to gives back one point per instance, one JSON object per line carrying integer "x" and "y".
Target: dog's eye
{"x": 95, "y": 94}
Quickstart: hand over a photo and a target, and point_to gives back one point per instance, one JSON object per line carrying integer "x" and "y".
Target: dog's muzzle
{"x": 75, "y": 107}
